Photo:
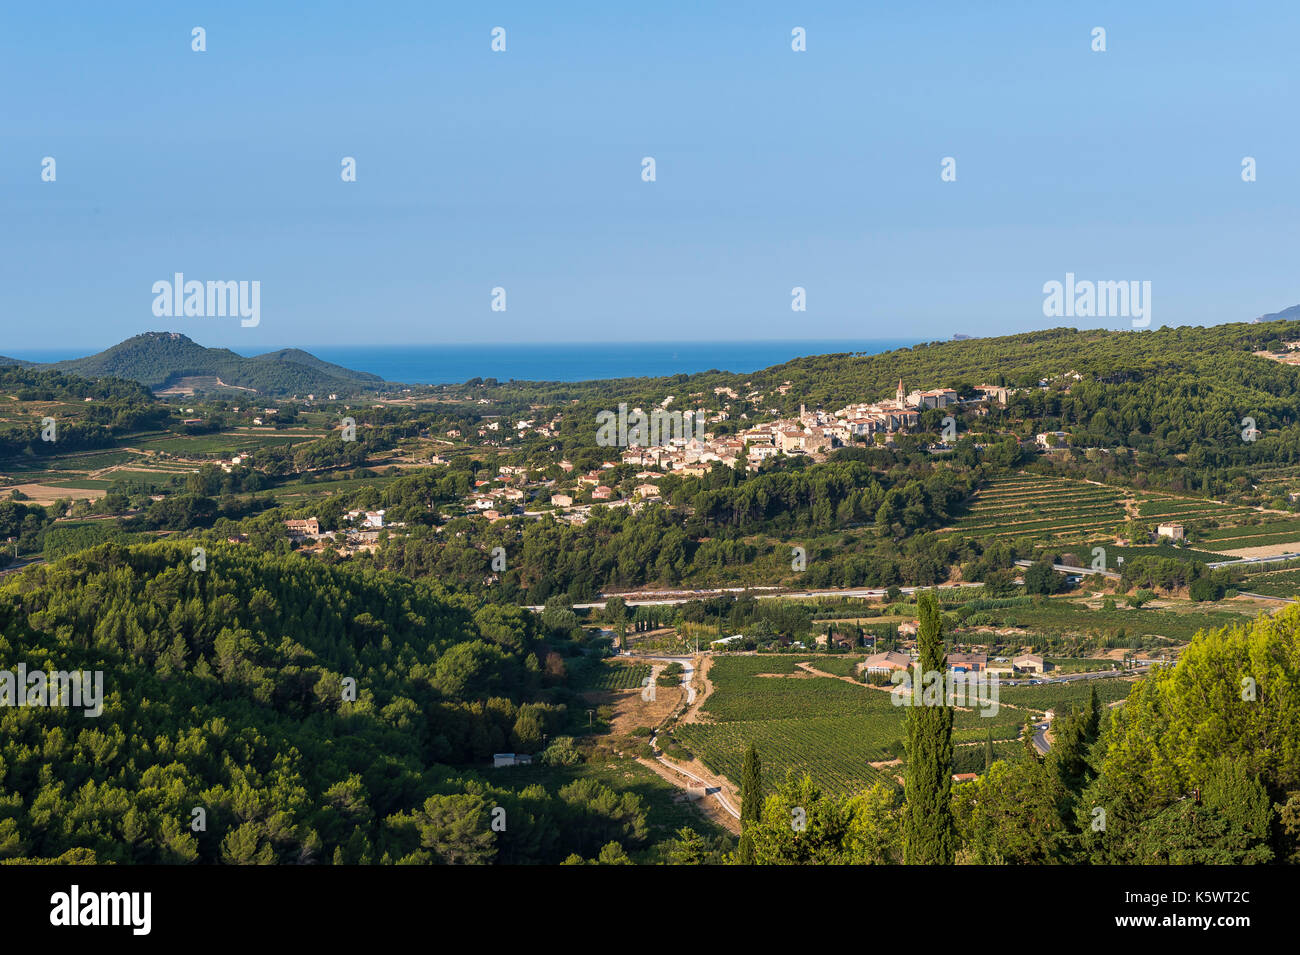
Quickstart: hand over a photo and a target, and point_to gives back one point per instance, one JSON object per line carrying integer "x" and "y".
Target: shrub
{"x": 1205, "y": 589}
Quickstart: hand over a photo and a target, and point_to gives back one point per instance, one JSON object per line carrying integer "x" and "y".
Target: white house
{"x": 374, "y": 519}
{"x": 510, "y": 759}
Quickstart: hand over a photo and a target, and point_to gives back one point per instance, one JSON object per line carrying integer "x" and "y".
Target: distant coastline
{"x": 452, "y": 364}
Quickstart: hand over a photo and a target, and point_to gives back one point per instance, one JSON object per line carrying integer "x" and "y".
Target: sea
{"x": 453, "y": 364}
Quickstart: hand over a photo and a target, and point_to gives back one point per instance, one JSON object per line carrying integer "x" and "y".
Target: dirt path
{"x": 809, "y": 668}
{"x": 715, "y": 795}
{"x": 703, "y": 791}
{"x": 704, "y": 689}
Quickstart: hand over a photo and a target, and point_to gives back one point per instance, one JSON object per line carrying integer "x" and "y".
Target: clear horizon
{"x": 775, "y": 169}
{"x": 81, "y": 352}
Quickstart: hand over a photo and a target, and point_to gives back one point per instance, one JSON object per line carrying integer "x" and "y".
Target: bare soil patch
{"x": 631, "y": 711}
{"x": 44, "y": 494}
{"x": 1268, "y": 550}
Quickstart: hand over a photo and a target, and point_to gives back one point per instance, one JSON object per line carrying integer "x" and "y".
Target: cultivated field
{"x": 1056, "y": 510}
{"x": 1044, "y": 508}
{"x": 826, "y": 727}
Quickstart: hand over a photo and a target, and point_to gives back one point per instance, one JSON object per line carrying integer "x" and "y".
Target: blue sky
{"x": 522, "y": 169}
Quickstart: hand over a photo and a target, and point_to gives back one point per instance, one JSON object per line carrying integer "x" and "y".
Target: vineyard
{"x": 1060, "y": 696}
{"x": 1068, "y": 616}
{"x": 825, "y": 727}
{"x": 836, "y": 752}
{"x": 1280, "y": 583}
{"x": 607, "y": 675}
{"x": 1254, "y": 535}
{"x": 1053, "y": 509}
{"x": 1043, "y": 507}
{"x": 846, "y": 665}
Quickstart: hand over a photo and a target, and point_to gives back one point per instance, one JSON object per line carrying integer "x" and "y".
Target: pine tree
{"x": 751, "y": 803}
{"x": 929, "y": 830}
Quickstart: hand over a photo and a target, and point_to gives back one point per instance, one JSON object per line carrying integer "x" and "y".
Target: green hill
{"x": 161, "y": 359}
{"x": 230, "y": 690}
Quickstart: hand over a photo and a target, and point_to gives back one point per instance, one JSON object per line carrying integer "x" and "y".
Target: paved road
{"x": 1253, "y": 560}
{"x": 14, "y": 568}
{"x": 1285, "y": 600}
{"x": 1040, "y": 737}
{"x": 1072, "y": 569}
{"x": 682, "y": 597}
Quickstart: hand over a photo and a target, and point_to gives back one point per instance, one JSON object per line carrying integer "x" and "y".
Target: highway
{"x": 1253, "y": 560}
{"x": 1071, "y": 569}
{"x": 685, "y": 596}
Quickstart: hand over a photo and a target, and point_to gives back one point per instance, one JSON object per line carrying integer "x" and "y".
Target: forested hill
{"x": 1221, "y": 355}
{"x": 1218, "y": 354}
{"x": 224, "y": 689}
{"x": 159, "y": 359}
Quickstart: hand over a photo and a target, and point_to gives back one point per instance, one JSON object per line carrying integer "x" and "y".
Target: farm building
{"x": 886, "y": 662}
{"x": 1029, "y": 663}
{"x": 968, "y": 662}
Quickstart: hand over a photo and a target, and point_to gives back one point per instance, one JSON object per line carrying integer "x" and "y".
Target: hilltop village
{"x": 686, "y": 450}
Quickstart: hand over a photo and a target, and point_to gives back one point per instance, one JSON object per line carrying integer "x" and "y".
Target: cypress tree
{"x": 988, "y": 752}
{"x": 1094, "y": 716}
{"x": 751, "y": 786}
{"x": 751, "y": 797}
{"x": 929, "y": 831}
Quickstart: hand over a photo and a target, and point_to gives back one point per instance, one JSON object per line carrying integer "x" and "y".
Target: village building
{"x": 307, "y": 527}
{"x": 993, "y": 393}
{"x": 373, "y": 519}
